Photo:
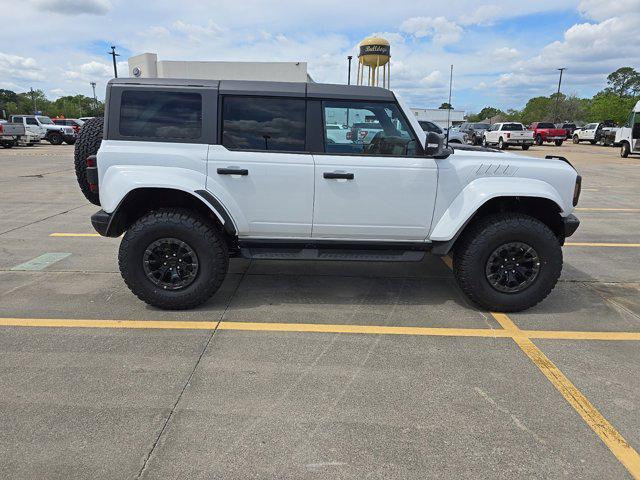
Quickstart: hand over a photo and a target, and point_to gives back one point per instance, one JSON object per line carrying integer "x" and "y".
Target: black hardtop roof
{"x": 250, "y": 87}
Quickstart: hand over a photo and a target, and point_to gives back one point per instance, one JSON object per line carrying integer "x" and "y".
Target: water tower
{"x": 375, "y": 53}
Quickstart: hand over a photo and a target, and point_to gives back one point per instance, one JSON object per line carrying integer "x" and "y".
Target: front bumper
{"x": 570, "y": 224}
{"x": 101, "y": 221}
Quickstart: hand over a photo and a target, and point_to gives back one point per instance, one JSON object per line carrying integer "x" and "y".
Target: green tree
{"x": 624, "y": 82}
{"x": 446, "y": 106}
{"x": 538, "y": 109}
{"x": 608, "y": 105}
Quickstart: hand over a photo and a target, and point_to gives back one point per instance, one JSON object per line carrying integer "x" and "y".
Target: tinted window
{"x": 250, "y": 123}
{"x": 512, "y": 127}
{"x": 546, "y": 125}
{"x": 373, "y": 128}
{"x": 161, "y": 114}
{"x": 32, "y": 121}
{"x": 430, "y": 127}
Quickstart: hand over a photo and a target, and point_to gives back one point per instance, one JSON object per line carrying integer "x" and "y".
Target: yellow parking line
{"x": 81, "y": 323}
{"x": 581, "y": 335}
{"x": 585, "y": 209}
{"x": 589, "y": 413}
{"x": 601, "y": 244}
{"x": 74, "y": 235}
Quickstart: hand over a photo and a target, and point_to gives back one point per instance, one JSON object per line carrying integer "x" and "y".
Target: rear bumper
{"x": 570, "y": 224}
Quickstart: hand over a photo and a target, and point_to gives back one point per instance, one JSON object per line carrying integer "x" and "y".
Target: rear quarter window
{"x": 162, "y": 115}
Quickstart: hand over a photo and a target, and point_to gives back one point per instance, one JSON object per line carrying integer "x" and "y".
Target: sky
{"x": 503, "y": 52}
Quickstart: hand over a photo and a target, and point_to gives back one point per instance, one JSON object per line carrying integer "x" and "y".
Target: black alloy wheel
{"x": 169, "y": 263}
{"x": 512, "y": 267}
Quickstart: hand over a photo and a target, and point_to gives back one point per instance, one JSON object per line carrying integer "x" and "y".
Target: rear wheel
{"x": 8, "y": 144}
{"x": 70, "y": 142}
{"x": 87, "y": 143}
{"x": 507, "y": 262}
{"x": 173, "y": 259}
{"x": 625, "y": 150}
{"x": 501, "y": 144}
{"x": 558, "y": 143}
{"x": 538, "y": 139}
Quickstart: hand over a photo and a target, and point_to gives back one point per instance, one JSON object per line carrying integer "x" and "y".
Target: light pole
{"x": 114, "y": 55}
{"x": 555, "y": 114}
{"x": 95, "y": 100}
{"x": 349, "y": 72}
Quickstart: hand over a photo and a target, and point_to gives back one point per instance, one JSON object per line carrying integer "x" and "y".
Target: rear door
{"x": 261, "y": 171}
{"x": 378, "y": 188}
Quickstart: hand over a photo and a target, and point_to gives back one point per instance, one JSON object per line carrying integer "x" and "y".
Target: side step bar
{"x": 331, "y": 254}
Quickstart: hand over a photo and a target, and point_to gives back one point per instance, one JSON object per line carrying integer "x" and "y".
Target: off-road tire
{"x": 55, "y": 138}
{"x": 204, "y": 238}
{"x": 625, "y": 150}
{"x": 539, "y": 140}
{"x": 472, "y": 252}
{"x": 576, "y": 139}
{"x": 87, "y": 143}
{"x": 559, "y": 143}
{"x": 525, "y": 147}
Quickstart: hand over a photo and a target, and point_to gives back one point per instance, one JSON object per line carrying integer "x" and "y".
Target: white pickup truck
{"x": 12, "y": 134}
{"x": 508, "y": 133}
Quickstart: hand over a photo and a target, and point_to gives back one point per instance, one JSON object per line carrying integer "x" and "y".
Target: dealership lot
{"x": 313, "y": 370}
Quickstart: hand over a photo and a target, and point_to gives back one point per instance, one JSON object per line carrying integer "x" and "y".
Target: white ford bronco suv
{"x": 194, "y": 172}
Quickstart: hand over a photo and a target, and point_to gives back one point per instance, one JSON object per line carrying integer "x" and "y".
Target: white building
{"x": 148, "y": 66}
{"x": 439, "y": 116}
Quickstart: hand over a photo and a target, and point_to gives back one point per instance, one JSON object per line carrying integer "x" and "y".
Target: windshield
{"x": 511, "y": 127}
{"x": 481, "y": 126}
{"x": 546, "y": 125}
{"x": 45, "y": 120}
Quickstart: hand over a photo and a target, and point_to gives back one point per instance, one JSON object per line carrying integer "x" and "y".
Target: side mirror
{"x": 433, "y": 144}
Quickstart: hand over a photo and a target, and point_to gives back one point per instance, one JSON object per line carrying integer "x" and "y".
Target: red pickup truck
{"x": 547, "y": 132}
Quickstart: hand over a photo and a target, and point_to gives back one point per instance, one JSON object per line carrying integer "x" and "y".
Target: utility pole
{"x": 95, "y": 100}
{"x": 114, "y": 55}
{"x": 555, "y": 114}
{"x": 33, "y": 99}
{"x": 349, "y": 72}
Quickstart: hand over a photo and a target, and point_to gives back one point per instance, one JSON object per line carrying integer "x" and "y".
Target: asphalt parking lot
{"x": 313, "y": 370}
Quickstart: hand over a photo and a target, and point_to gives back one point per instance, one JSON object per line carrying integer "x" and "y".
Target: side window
{"x": 258, "y": 123}
{"x": 371, "y": 128}
{"x": 32, "y": 121}
{"x": 162, "y": 115}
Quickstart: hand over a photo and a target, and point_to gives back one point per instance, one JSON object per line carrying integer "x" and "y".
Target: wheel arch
{"x": 545, "y": 209}
{"x": 143, "y": 200}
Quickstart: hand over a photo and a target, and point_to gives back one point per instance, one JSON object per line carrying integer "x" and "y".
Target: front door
{"x": 373, "y": 185}
{"x": 260, "y": 172}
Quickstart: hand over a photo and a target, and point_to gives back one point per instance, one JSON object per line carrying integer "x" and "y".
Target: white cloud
{"x": 505, "y": 53}
{"x": 75, "y": 7}
{"x": 19, "y": 68}
{"x": 599, "y": 10}
{"x": 441, "y": 30}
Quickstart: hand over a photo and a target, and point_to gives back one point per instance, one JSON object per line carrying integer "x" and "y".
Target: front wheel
{"x": 173, "y": 259}
{"x": 576, "y": 139}
{"x": 525, "y": 147}
{"x": 484, "y": 142}
{"x": 507, "y": 262}
{"x": 624, "y": 150}
{"x": 558, "y": 143}
{"x": 55, "y": 138}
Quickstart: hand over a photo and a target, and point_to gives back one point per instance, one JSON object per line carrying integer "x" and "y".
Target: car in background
{"x": 74, "y": 123}
{"x": 455, "y": 136}
{"x": 628, "y": 136}
{"x": 506, "y": 134}
{"x": 473, "y": 131}
{"x": 43, "y": 125}
{"x": 585, "y": 133}
{"x": 336, "y": 133}
{"x": 547, "y": 132}
{"x": 569, "y": 128}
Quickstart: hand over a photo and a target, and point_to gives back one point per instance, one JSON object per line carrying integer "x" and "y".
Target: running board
{"x": 331, "y": 254}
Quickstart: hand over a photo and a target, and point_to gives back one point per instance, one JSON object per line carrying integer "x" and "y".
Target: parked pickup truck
{"x": 505, "y": 134}
{"x": 43, "y": 125}
{"x": 12, "y": 134}
{"x": 547, "y": 132}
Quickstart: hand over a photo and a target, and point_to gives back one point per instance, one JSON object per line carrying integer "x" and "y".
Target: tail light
{"x": 508, "y": 135}
{"x": 92, "y": 173}
{"x": 349, "y": 135}
{"x": 1, "y": 128}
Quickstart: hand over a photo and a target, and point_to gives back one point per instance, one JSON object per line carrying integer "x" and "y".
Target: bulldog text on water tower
{"x": 375, "y": 53}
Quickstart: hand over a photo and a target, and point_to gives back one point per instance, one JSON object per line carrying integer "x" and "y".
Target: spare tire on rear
{"x": 88, "y": 143}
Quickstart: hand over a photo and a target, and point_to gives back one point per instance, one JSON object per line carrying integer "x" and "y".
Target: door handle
{"x": 233, "y": 171}
{"x": 338, "y": 175}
